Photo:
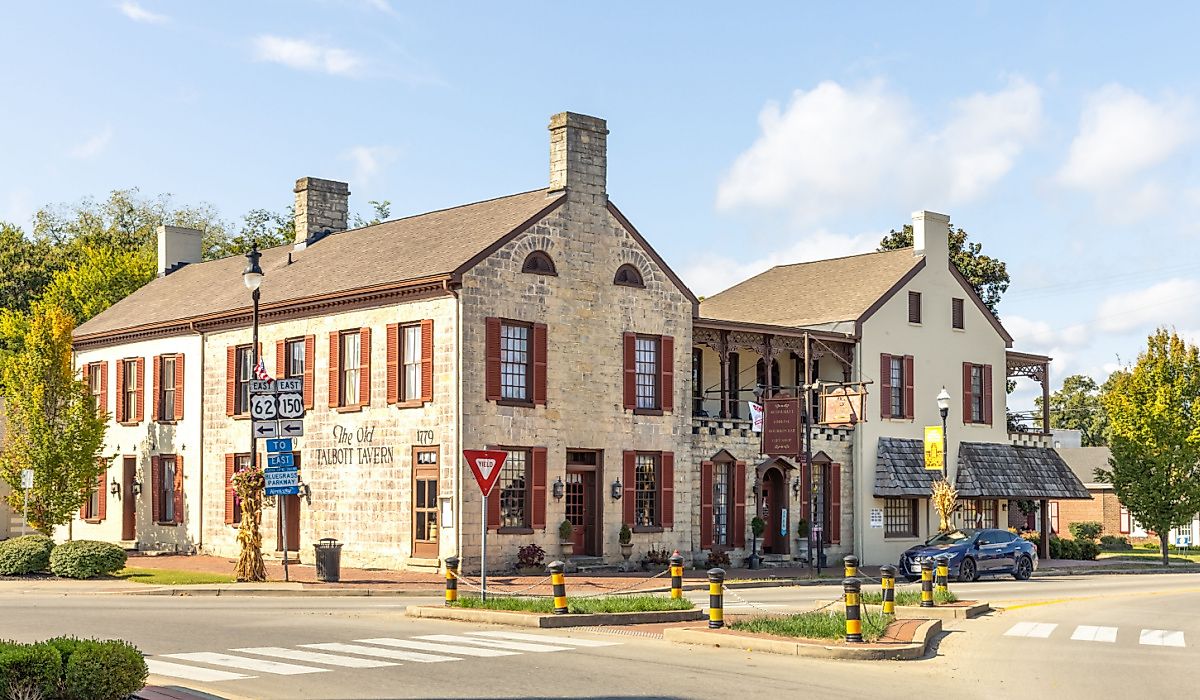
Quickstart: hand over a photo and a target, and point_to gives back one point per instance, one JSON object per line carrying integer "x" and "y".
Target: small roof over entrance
{"x": 988, "y": 470}
{"x": 900, "y": 469}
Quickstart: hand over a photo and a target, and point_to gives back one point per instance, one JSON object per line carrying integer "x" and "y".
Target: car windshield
{"x": 952, "y": 537}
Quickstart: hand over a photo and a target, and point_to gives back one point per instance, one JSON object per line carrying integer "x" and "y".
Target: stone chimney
{"x": 931, "y": 236}
{"x": 178, "y": 246}
{"x": 321, "y": 205}
{"x": 579, "y": 157}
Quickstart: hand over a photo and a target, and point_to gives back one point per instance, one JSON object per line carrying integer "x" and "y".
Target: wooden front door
{"x": 583, "y": 501}
{"x": 425, "y": 502}
{"x": 773, "y": 500}
{"x": 128, "y": 500}
{"x": 292, "y": 505}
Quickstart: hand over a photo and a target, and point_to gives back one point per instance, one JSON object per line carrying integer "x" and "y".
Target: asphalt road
{"x": 1075, "y": 637}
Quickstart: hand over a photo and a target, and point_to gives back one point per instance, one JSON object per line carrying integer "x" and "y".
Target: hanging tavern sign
{"x": 781, "y": 435}
{"x": 842, "y": 406}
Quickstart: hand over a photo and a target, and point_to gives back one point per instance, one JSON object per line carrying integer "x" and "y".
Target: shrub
{"x": 1114, "y": 542}
{"x": 626, "y": 535}
{"x": 531, "y": 556}
{"x": 25, "y": 555}
{"x": 1086, "y": 530}
{"x": 565, "y": 531}
{"x": 717, "y": 558}
{"x": 657, "y": 556}
{"x": 1087, "y": 549}
{"x": 30, "y": 669}
{"x": 1063, "y": 549}
{"x": 86, "y": 559}
{"x": 101, "y": 670}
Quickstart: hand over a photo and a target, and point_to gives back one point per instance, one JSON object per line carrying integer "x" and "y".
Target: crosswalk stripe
{"x": 383, "y": 653}
{"x": 1039, "y": 630}
{"x": 522, "y": 637}
{"x": 191, "y": 673}
{"x": 499, "y": 644}
{"x": 217, "y": 659}
{"x": 314, "y": 657}
{"x": 1090, "y": 633}
{"x": 1162, "y": 638}
{"x": 444, "y": 648}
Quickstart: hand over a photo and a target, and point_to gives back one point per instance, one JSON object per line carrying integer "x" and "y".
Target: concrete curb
{"x": 938, "y": 612}
{"x": 701, "y": 636}
{"x": 1147, "y": 569}
{"x": 520, "y": 619}
{"x": 290, "y": 592}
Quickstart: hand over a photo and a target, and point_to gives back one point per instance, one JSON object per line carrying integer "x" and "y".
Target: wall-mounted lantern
{"x": 557, "y": 488}
{"x": 616, "y": 490}
{"x": 114, "y": 488}
{"x": 137, "y": 488}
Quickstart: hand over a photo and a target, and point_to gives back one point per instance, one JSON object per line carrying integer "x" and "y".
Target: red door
{"x": 128, "y": 500}
{"x": 576, "y": 509}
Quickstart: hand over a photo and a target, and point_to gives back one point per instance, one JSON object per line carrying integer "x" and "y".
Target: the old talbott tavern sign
{"x": 781, "y": 435}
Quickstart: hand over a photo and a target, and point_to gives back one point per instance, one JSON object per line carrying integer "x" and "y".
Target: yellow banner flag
{"x": 935, "y": 457}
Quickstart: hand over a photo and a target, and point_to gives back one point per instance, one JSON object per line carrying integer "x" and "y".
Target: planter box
{"x": 525, "y": 619}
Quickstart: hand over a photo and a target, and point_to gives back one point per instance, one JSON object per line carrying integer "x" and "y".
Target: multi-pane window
{"x": 514, "y": 362}
{"x": 245, "y": 372}
{"x": 979, "y": 513}
{"x": 166, "y": 485}
{"x": 645, "y": 490}
{"x": 646, "y": 371}
{"x": 410, "y": 348}
{"x": 574, "y": 498}
{"x": 92, "y": 507}
{"x": 240, "y": 463}
{"x": 722, "y": 483}
{"x": 977, "y": 397}
{"x": 294, "y": 359}
{"x": 95, "y": 388}
{"x": 166, "y": 388}
{"x": 897, "y": 384}
{"x": 735, "y": 385}
{"x": 514, "y": 490}
{"x": 900, "y": 517}
{"x": 350, "y": 351}
{"x": 425, "y": 486}
{"x": 129, "y": 390}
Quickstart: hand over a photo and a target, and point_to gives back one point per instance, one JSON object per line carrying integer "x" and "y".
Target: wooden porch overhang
{"x": 1037, "y": 368}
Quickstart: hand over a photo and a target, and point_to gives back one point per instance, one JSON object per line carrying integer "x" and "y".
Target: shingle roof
{"x": 823, "y": 291}
{"x": 427, "y": 245}
{"x": 989, "y": 470}
{"x": 900, "y": 468}
{"x": 1084, "y": 461}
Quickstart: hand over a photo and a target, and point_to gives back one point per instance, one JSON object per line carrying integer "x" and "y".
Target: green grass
{"x": 812, "y": 625}
{"x": 170, "y": 577}
{"x": 606, "y": 604}
{"x": 909, "y": 597}
{"x": 1146, "y": 556}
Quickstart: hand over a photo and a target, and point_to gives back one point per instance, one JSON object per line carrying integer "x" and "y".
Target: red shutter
{"x": 230, "y": 380}
{"x": 280, "y": 359}
{"x": 908, "y": 386}
{"x": 630, "y": 362}
{"x": 706, "y": 504}
{"x": 493, "y": 503}
{"x": 310, "y": 360}
{"x": 178, "y": 410}
{"x": 101, "y": 497}
{"x": 155, "y": 489}
{"x": 393, "y": 363}
{"x": 539, "y": 364}
{"x": 229, "y": 493}
{"x": 987, "y": 394}
{"x": 885, "y": 385}
{"x": 334, "y": 360}
{"x": 121, "y": 391}
{"x": 83, "y": 509}
{"x": 666, "y": 490}
{"x": 667, "y": 373}
{"x": 537, "y": 514}
{"x": 104, "y": 386}
{"x": 364, "y": 367}
{"x": 491, "y": 352}
{"x": 966, "y": 392}
{"x": 806, "y": 495}
{"x": 178, "y": 489}
{"x": 835, "y": 504}
{"x": 83, "y": 374}
{"x": 141, "y": 390}
{"x": 427, "y": 360}
{"x": 739, "y": 504}
{"x": 628, "y": 475}
{"x": 156, "y": 400}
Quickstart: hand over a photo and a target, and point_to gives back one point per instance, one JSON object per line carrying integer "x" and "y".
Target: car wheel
{"x": 967, "y": 571}
{"x": 1024, "y": 569}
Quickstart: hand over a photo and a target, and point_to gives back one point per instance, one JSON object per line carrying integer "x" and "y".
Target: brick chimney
{"x": 321, "y": 205}
{"x": 579, "y": 157}
{"x": 178, "y": 246}
{"x": 931, "y": 236}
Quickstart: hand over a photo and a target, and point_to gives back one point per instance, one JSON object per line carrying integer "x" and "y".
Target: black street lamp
{"x": 943, "y": 402}
{"x": 253, "y": 277}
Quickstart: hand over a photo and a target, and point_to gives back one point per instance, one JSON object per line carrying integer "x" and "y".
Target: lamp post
{"x": 252, "y": 276}
{"x": 943, "y": 402}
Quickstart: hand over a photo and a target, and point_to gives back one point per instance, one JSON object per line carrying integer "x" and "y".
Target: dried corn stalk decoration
{"x": 249, "y": 484}
{"x": 945, "y": 500}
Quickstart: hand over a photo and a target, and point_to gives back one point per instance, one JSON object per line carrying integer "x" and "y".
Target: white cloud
{"x": 834, "y": 148}
{"x": 711, "y": 273}
{"x": 1171, "y": 302}
{"x": 94, "y": 146}
{"x": 1122, "y": 134}
{"x": 302, "y": 54}
{"x": 1038, "y": 336}
{"x": 369, "y": 160}
{"x": 137, "y": 13}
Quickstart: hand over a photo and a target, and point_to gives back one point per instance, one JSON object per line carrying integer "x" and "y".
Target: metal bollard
{"x": 451, "y": 580}
{"x": 676, "y": 575}
{"x": 853, "y": 610}
{"x": 943, "y": 574}
{"x": 926, "y": 584}
{"x": 559, "y": 582}
{"x": 716, "y": 595}
{"x": 887, "y": 577}
{"x": 851, "y": 563}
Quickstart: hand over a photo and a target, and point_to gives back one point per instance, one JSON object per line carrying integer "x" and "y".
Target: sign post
{"x": 485, "y": 465}
{"x": 271, "y": 401}
{"x": 26, "y": 484}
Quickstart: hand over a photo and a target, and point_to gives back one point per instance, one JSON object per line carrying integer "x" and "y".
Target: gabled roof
{"x": 900, "y": 469}
{"x": 990, "y": 470}
{"x": 431, "y": 246}
{"x": 1084, "y": 461}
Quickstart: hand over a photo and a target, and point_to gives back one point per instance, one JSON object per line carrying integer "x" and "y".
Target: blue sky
{"x": 1062, "y": 136}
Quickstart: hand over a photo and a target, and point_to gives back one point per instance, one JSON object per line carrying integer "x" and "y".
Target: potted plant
{"x": 531, "y": 560}
{"x": 566, "y": 537}
{"x": 757, "y": 526}
{"x": 625, "y": 538}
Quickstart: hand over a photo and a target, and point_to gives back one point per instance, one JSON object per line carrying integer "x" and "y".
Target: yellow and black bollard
{"x": 853, "y": 610}
{"x": 887, "y": 578}
{"x": 716, "y": 595}
{"x": 851, "y": 563}
{"x": 451, "y": 580}
{"x": 676, "y": 575}
{"x": 559, "y": 582}
{"x": 943, "y": 575}
{"x": 926, "y": 584}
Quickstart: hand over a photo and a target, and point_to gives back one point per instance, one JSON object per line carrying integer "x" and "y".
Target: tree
{"x": 125, "y": 221}
{"x": 263, "y": 226}
{"x": 26, "y": 267}
{"x": 988, "y": 275}
{"x": 99, "y": 277}
{"x": 1153, "y": 412}
{"x": 1076, "y": 406}
{"x": 52, "y": 423}
{"x": 382, "y": 212}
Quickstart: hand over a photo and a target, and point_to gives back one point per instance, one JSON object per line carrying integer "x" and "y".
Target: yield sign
{"x": 486, "y": 465}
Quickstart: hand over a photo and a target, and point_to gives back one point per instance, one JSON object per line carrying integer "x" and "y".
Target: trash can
{"x": 329, "y": 560}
